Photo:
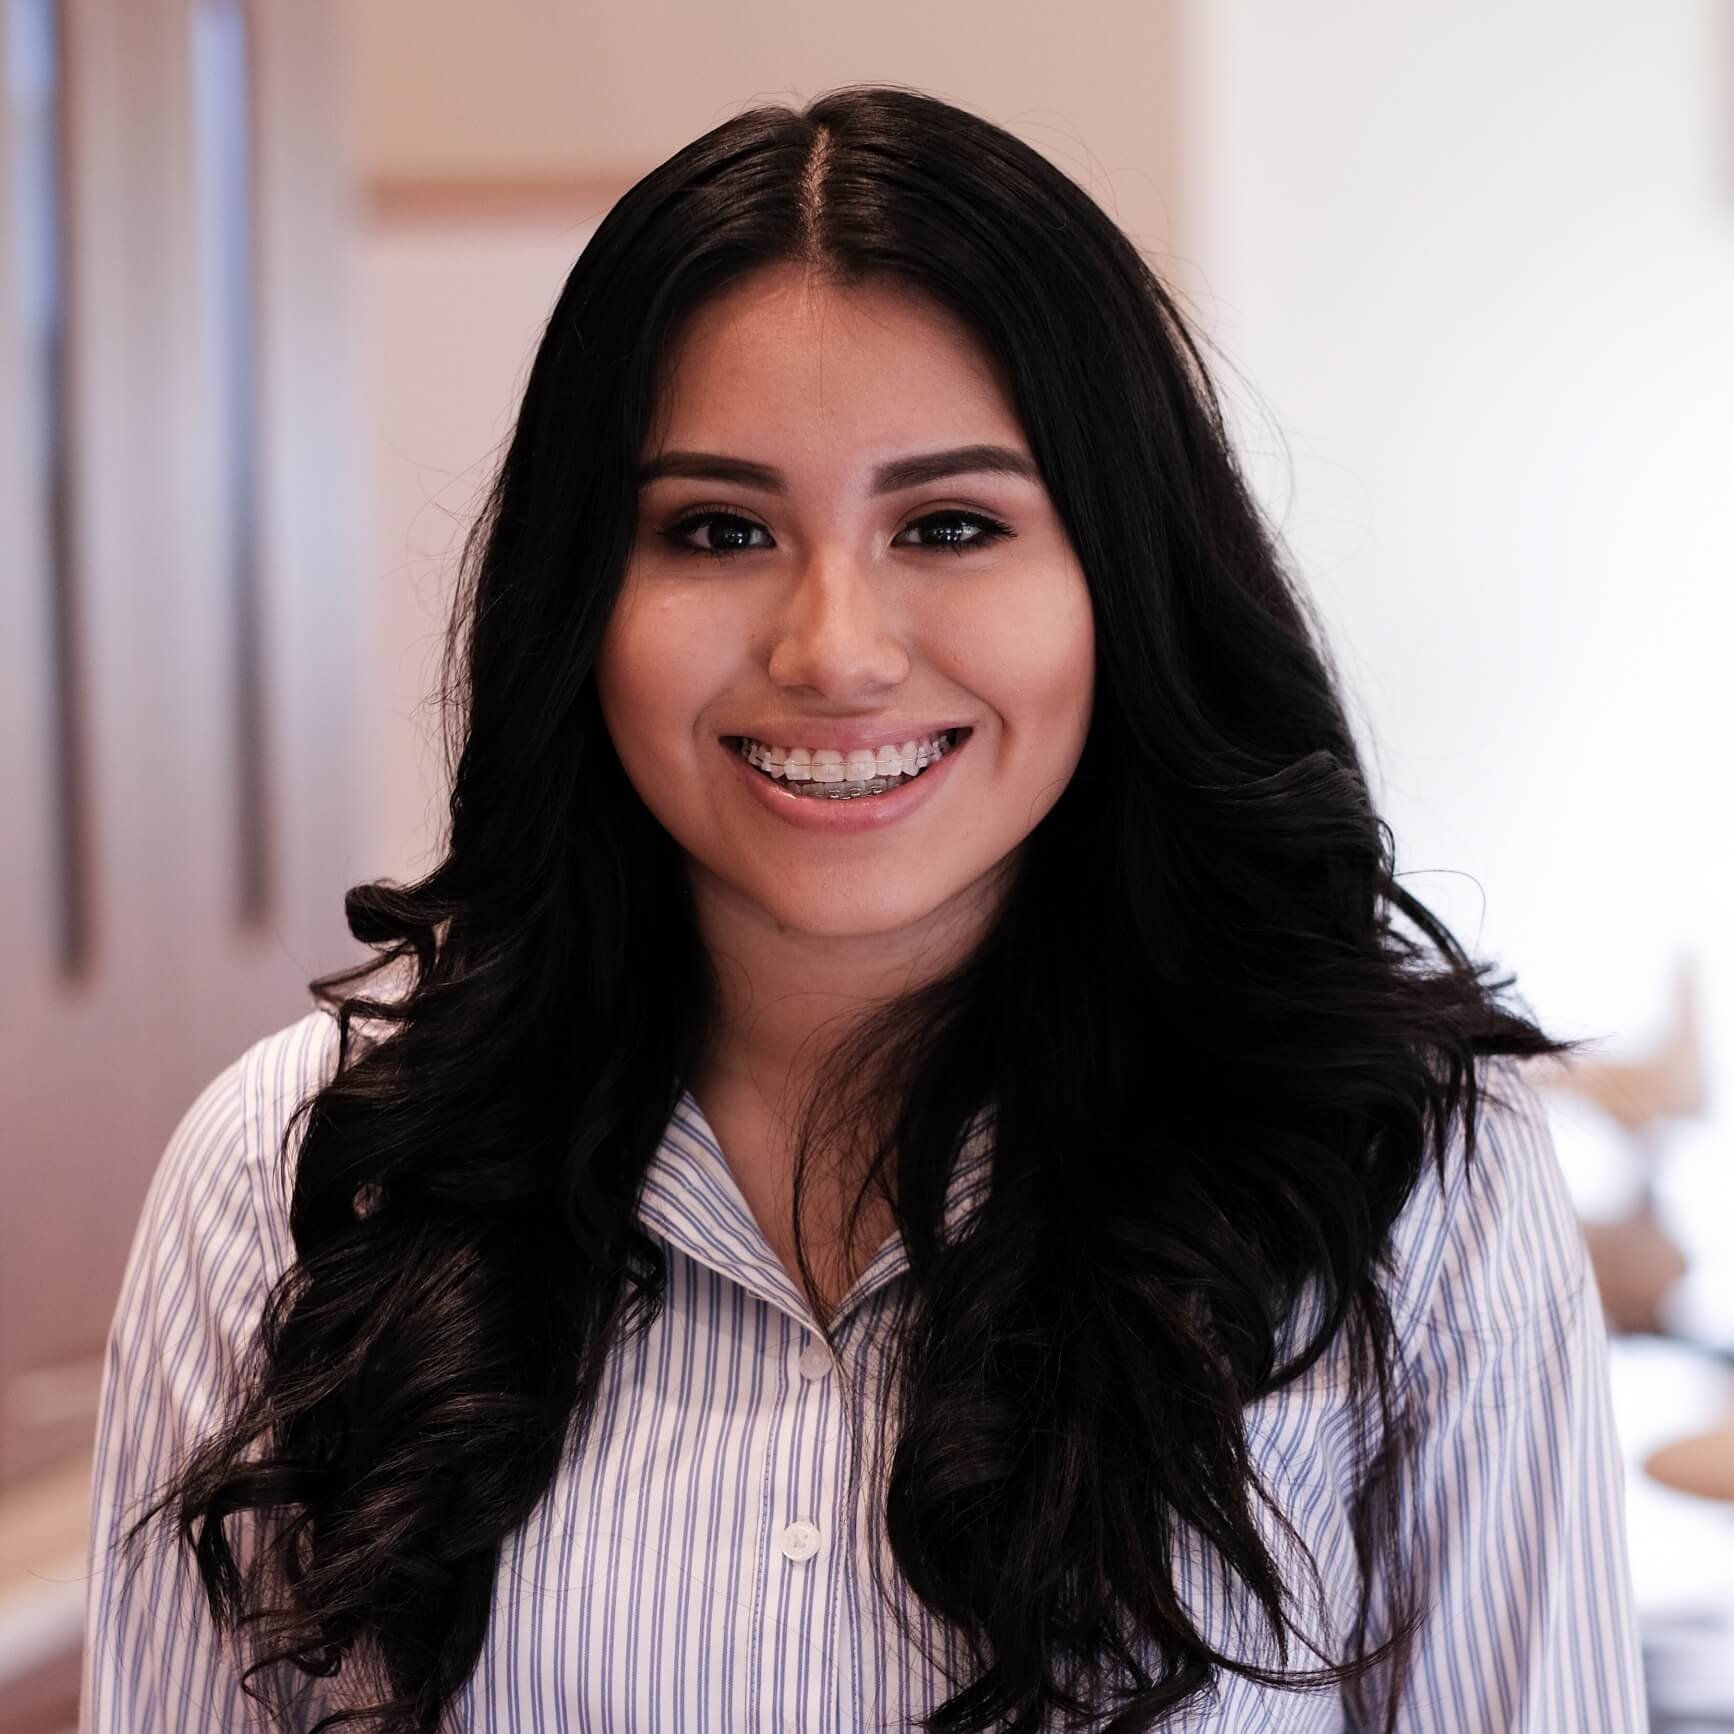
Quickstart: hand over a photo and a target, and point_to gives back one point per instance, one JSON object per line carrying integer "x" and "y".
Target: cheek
{"x": 654, "y": 675}
{"x": 620, "y": 689}
{"x": 1033, "y": 661}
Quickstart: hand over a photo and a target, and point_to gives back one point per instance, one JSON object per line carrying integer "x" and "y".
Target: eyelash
{"x": 989, "y": 530}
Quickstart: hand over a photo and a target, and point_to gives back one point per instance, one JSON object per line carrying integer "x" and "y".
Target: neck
{"x": 791, "y": 1000}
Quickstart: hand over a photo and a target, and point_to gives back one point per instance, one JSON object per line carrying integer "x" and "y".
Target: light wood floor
{"x": 44, "y": 1533}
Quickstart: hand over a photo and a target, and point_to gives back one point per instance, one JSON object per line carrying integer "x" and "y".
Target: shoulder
{"x": 1516, "y": 1478}
{"x": 1492, "y": 1250}
{"x": 212, "y": 1238}
{"x": 279, "y": 1072}
{"x": 223, "y": 1179}
{"x": 256, "y": 1096}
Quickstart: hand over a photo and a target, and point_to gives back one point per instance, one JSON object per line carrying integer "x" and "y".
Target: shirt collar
{"x": 690, "y": 1200}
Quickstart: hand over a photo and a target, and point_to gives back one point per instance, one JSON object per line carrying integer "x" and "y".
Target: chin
{"x": 834, "y": 917}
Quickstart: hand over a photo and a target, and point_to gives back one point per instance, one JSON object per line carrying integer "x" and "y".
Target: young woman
{"x": 912, "y": 1165}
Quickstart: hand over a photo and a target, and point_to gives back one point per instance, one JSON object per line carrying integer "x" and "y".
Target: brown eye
{"x": 728, "y": 531}
{"x": 959, "y": 531}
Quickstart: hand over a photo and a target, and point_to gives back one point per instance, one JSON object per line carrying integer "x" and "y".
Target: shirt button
{"x": 800, "y": 1540}
{"x": 815, "y": 1360}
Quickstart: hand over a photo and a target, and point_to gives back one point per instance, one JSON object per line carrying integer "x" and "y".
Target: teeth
{"x": 845, "y": 776}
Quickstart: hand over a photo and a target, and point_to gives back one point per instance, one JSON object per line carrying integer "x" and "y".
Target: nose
{"x": 834, "y": 633}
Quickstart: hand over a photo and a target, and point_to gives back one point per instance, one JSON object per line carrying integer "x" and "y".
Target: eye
{"x": 729, "y": 533}
{"x": 960, "y": 530}
{"x": 728, "y": 528}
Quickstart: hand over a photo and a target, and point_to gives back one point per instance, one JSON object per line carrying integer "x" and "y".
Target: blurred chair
{"x": 1702, "y": 1464}
{"x": 1636, "y": 1260}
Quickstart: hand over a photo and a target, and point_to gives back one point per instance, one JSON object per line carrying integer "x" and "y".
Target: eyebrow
{"x": 910, "y": 472}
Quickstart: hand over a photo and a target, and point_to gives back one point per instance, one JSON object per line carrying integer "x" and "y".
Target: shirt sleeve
{"x": 194, "y": 1284}
{"x": 1514, "y": 1502}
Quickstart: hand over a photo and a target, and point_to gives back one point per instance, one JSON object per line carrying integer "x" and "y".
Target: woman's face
{"x": 864, "y": 609}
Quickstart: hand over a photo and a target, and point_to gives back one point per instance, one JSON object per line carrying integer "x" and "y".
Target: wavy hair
{"x": 1071, "y": 1374}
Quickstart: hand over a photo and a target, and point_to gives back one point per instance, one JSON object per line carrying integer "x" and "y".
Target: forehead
{"x": 786, "y": 349}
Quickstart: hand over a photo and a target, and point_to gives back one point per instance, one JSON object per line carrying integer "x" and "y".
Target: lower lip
{"x": 846, "y": 813}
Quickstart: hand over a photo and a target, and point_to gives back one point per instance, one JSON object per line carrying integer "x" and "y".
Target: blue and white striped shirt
{"x": 697, "y": 1565}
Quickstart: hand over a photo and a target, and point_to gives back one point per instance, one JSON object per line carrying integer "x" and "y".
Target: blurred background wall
{"x": 1467, "y": 269}
{"x": 181, "y": 650}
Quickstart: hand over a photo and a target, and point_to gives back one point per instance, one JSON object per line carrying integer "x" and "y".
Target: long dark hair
{"x": 1210, "y": 907}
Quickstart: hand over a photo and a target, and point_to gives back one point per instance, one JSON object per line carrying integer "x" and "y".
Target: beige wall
{"x": 452, "y": 306}
{"x": 529, "y": 90}
{"x": 1477, "y": 264}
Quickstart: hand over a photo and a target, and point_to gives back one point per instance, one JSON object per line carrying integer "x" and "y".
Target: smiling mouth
{"x": 831, "y": 782}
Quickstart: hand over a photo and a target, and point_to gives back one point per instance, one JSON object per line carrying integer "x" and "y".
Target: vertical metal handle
{"x": 222, "y": 85}
{"x": 39, "y": 116}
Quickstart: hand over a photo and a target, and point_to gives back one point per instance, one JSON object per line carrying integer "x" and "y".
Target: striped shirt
{"x": 699, "y": 1563}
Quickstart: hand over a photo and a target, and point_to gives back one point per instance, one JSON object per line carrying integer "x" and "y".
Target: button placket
{"x": 799, "y": 1540}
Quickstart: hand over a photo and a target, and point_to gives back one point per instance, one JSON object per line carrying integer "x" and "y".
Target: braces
{"x": 815, "y": 791}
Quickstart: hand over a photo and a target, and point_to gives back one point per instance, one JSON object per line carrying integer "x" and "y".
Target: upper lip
{"x": 842, "y": 737}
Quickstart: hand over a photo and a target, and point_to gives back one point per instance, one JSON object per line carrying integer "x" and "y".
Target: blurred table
{"x": 1681, "y": 1544}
